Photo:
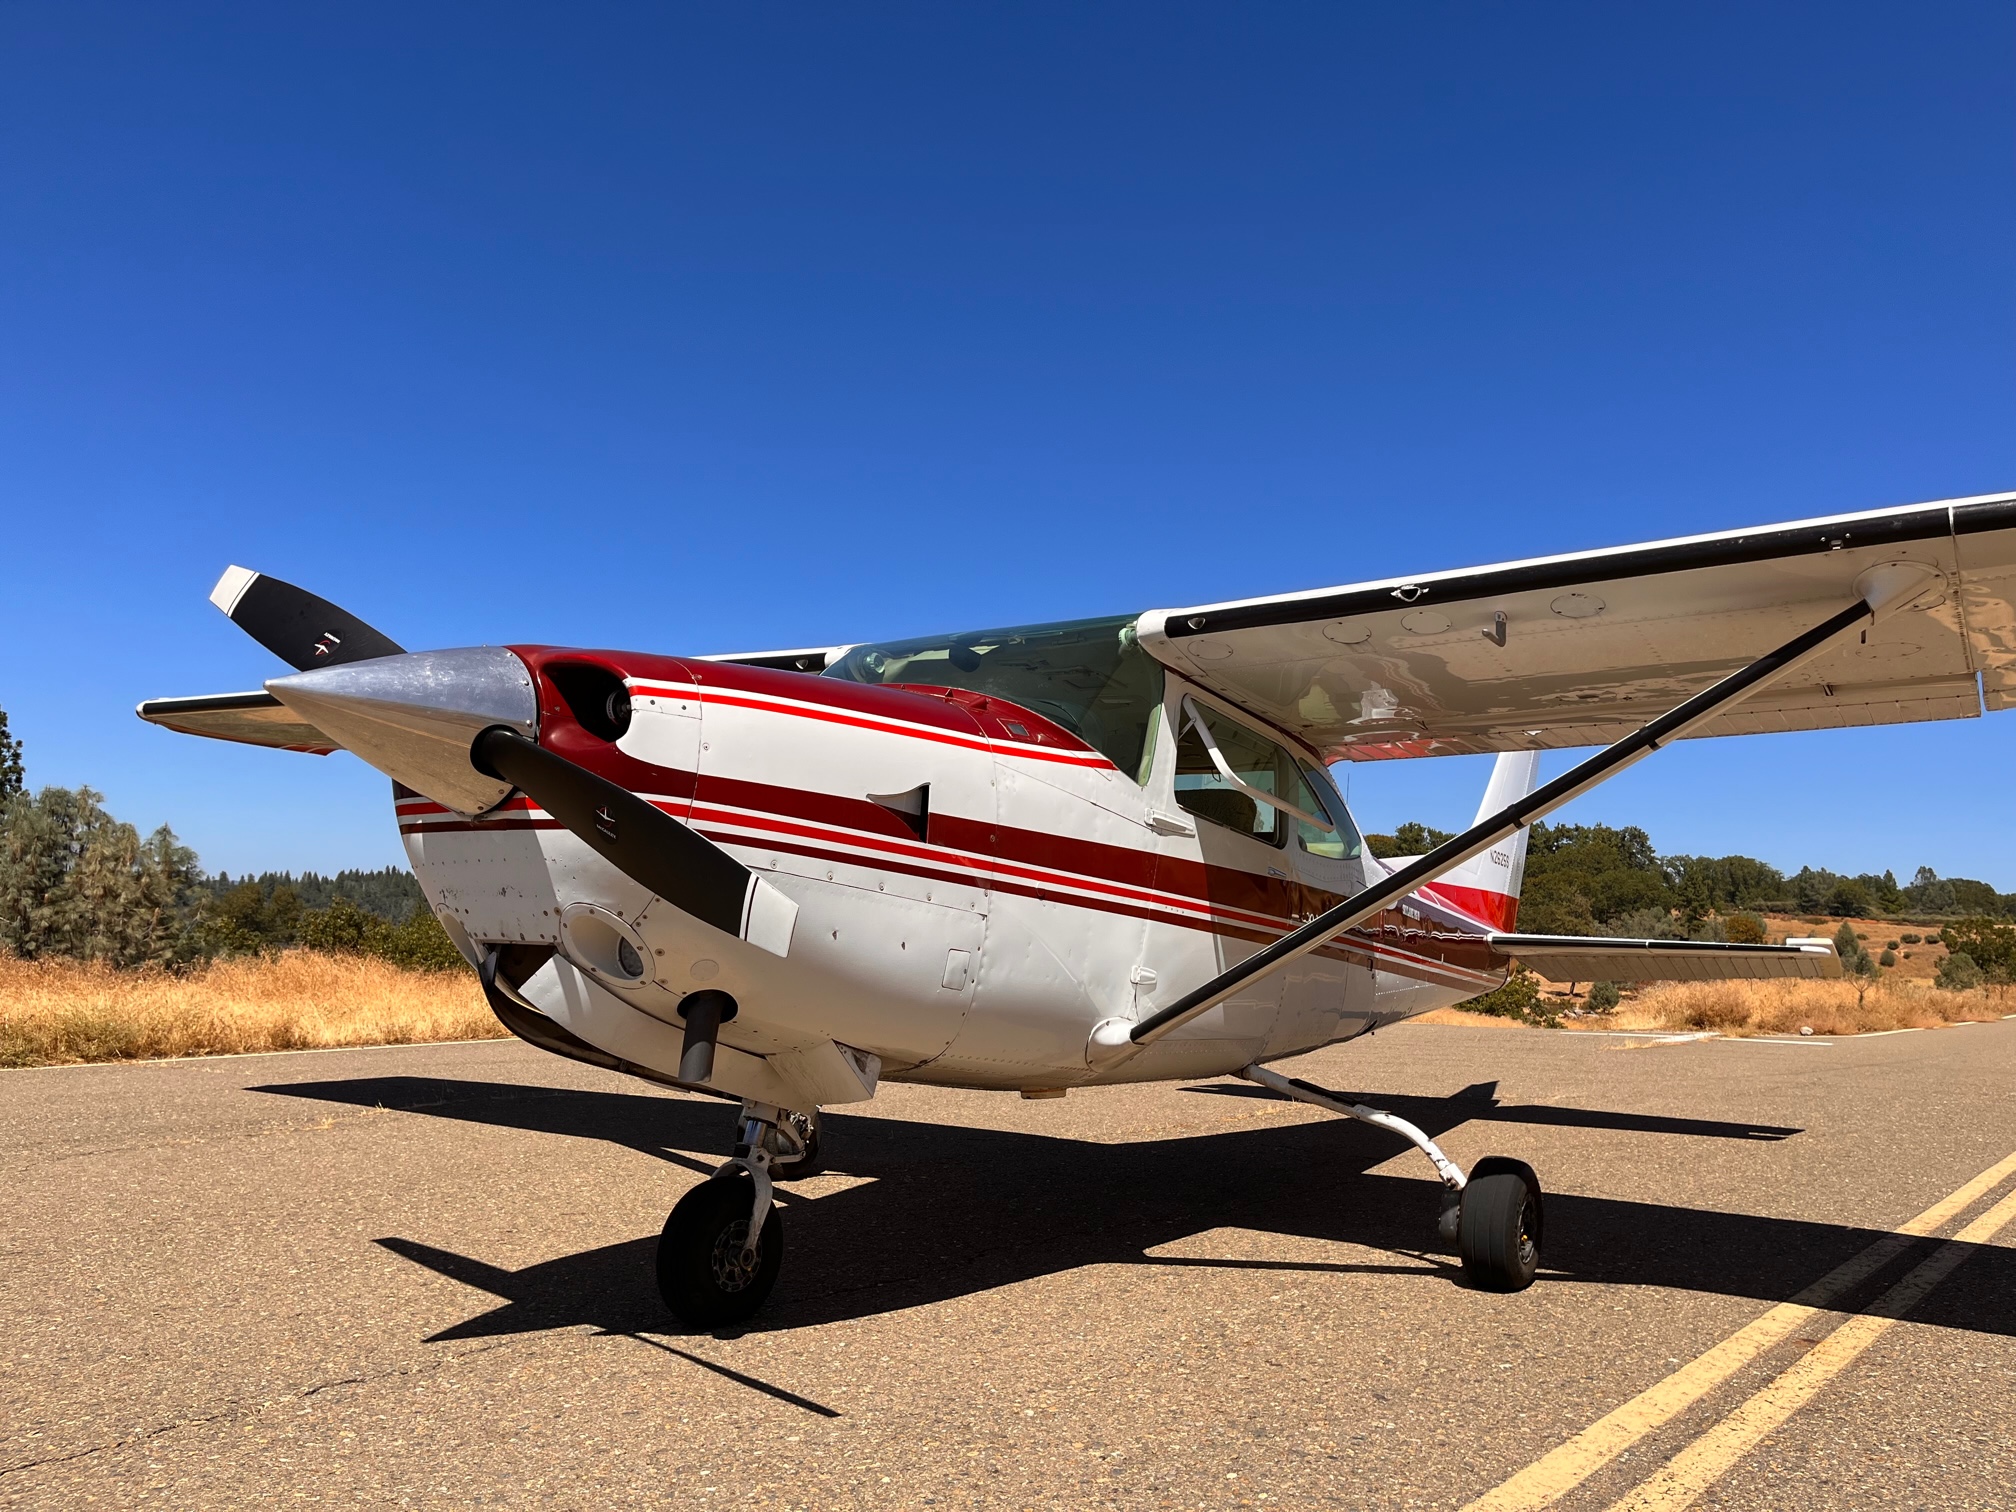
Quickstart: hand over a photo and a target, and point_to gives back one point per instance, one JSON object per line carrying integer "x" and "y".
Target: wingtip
{"x": 231, "y": 587}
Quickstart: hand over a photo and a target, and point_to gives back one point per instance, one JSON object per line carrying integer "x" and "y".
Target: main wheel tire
{"x": 1500, "y": 1230}
{"x": 812, "y": 1163}
{"x": 701, "y": 1272}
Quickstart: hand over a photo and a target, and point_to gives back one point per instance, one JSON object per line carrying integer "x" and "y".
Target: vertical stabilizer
{"x": 1486, "y": 887}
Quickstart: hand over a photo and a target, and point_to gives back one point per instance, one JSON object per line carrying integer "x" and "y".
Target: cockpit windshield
{"x": 1090, "y": 676}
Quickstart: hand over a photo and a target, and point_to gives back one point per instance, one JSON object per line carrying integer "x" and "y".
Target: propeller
{"x": 645, "y": 843}
{"x": 301, "y": 629}
{"x": 442, "y": 722}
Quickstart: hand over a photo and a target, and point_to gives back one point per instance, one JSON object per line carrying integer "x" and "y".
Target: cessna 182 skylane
{"x": 1105, "y": 851}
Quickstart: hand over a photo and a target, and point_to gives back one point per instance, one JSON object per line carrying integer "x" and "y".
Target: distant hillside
{"x": 390, "y": 892}
{"x": 1595, "y": 879}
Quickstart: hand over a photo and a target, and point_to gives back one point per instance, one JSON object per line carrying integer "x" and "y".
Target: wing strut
{"x": 1890, "y": 592}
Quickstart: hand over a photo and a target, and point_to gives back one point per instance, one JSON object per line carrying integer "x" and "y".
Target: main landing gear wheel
{"x": 1498, "y": 1234}
{"x": 795, "y": 1160}
{"x": 704, "y": 1273}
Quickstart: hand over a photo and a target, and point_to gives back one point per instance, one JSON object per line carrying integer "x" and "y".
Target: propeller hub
{"x": 414, "y": 716}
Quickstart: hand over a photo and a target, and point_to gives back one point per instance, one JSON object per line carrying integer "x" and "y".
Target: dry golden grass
{"x": 57, "y": 1012}
{"x": 1468, "y": 1020}
{"x": 1774, "y": 1007}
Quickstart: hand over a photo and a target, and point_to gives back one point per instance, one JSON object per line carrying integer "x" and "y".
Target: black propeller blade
{"x": 302, "y": 630}
{"x": 648, "y": 845}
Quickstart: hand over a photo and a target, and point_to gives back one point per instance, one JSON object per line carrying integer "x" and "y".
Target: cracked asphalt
{"x": 421, "y": 1276}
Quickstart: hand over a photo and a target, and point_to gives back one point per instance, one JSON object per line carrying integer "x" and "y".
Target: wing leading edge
{"x": 247, "y": 718}
{"x": 1580, "y": 649}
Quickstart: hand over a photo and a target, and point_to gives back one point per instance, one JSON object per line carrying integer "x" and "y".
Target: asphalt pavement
{"x": 421, "y": 1276}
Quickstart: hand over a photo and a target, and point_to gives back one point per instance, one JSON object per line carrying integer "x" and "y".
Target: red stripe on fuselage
{"x": 1494, "y": 910}
{"x": 1351, "y": 947}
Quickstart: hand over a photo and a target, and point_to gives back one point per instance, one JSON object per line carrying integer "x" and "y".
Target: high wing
{"x": 248, "y": 718}
{"x": 1580, "y": 649}
{"x": 1574, "y": 958}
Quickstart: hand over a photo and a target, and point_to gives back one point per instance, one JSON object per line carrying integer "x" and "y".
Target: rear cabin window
{"x": 1260, "y": 764}
{"x": 1090, "y": 676}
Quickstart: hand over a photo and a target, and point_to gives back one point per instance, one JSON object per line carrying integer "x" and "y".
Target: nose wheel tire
{"x": 1499, "y": 1231}
{"x": 704, "y": 1274}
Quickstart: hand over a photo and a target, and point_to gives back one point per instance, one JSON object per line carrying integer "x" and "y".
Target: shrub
{"x": 1603, "y": 997}
{"x": 1518, "y": 998}
{"x": 1933, "y": 939}
{"x": 1888, "y": 958}
{"x": 1958, "y": 973}
{"x": 1909, "y": 939}
{"x": 1991, "y": 945}
{"x": 419, "y": 944}
{"x": 1721, "y": 1011}
{"x": 1744, "y": 929}
{"x": 1890, "y": 945}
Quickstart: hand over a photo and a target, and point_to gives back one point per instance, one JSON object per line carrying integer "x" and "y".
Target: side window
{"x": 1259, "y": 764}
{"x": 1204, "y": 791}
{"x": 1337, "y": 844}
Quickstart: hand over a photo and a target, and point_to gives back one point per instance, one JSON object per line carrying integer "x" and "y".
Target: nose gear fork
{"x": 752, "y": 1155}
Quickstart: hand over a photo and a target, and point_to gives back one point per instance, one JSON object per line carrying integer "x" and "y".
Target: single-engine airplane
{"x": 1109, "y": 850}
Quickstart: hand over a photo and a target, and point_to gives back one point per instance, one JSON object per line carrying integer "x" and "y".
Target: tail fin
{"x": 1487, "y": 886}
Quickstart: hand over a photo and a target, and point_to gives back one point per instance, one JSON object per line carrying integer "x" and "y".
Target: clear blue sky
{"x": 708, "y": 327}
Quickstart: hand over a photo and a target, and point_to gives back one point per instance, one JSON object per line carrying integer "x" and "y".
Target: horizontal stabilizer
{"x": 249, "y": 718}
{"x": 1579, "y": 958}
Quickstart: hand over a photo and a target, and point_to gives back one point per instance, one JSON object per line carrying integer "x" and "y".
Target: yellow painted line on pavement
{"x": 1555, "y": 1474}
{"x": 1697, "y": 1467}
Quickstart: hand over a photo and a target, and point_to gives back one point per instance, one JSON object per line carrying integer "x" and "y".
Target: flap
{"x": 1581, "y": 649}
{"x": 1578, "y": 958}
{"x": 248, "y": 718}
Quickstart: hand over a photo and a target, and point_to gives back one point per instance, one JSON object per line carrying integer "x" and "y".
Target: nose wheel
{"x": 709, "y": 1274}
{"x": 721, "y": 1248}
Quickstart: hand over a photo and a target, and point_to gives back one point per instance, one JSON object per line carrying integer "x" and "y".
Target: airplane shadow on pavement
{"x": 951, "y": 1211}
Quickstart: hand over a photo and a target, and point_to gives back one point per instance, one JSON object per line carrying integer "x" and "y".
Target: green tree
{"x": 12, "y": 778}
{"x": 74, "y": 881}
{"x": 389, "y": 892}
{"x": 1854, "y": 959}
{"x": 1849, "y": 899}
{"x": 1581, "y": 879}
{"x": 1717, "y": 884}
{"x": 1990, "y": 945}
{"x": 1409, "y": 839}
{"x": 249, "y": 919}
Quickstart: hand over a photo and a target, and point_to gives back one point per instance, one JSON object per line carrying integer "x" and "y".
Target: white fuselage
{"x": 1011, "y": 890}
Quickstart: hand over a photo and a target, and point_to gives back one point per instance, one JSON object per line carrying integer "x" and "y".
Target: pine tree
{"x": 74, "y": 881}
{"x": 11, "y": 775}
{"x": 1854, "y": 959}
